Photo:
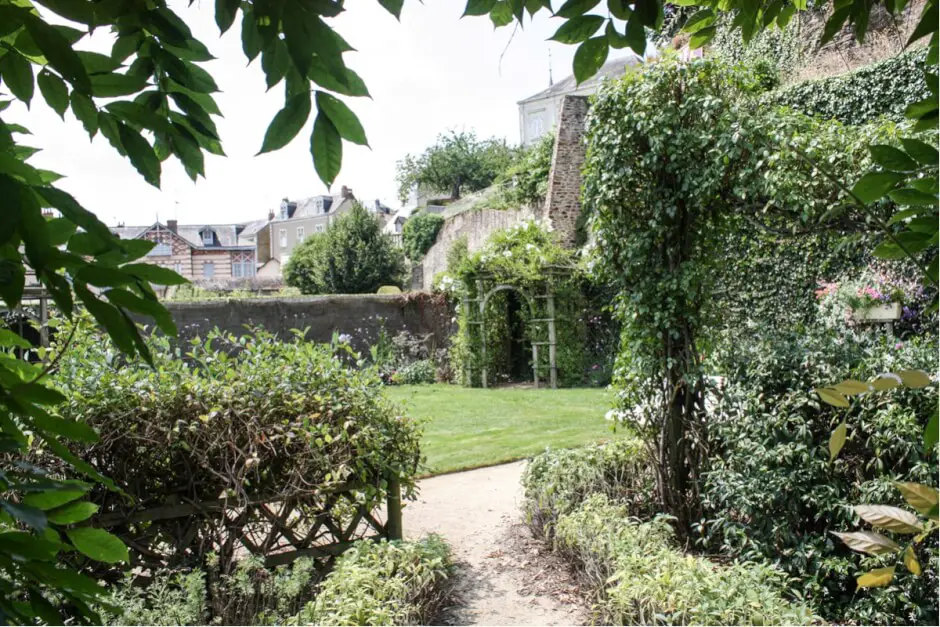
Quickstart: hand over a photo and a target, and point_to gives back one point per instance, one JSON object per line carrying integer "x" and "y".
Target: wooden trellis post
{"x": 393, "y": 526}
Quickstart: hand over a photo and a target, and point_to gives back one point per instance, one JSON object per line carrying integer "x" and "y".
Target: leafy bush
{"x": 239, "y": 416}
{"x": 641, "y": 579}
{"x": 421, "y": 371}
{"x": 386, "y": 583}
{"x": 885, "y": 88}
{"x": 770, "y": 491}
{"x": 353, "y": 256}
{"x": 419, "y": 233}
{"x": 556, "y": 482}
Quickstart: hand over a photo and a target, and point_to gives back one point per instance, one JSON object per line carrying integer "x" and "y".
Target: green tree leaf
{"x": 72, "y": 513}
{"x": 868, "y": 542}
{"x": 393, "y": 7}
{"x": 837, "y": 441}
{"x": 919, "y": 496}
{"x": 578, "y": 29}
{"x": 921, "y": 151}
{"x": 154, "y": 274}
{"x": 17, "y": 74}
{"x": 343, "y": 118}
{"x": 832, "y": 397}
{"x": 225, "y": 12}
{"x": 931, "y": 432}
{"x": 913, "y": 378}
{"x": 33, "y": 517}
{"x": 890, "y": 518}
{"x": 574, "y": 8}
{"x": 58, "y": 52}
{"x": 141, "y": 154}
{"x": 85, "y": 111}
{"x": 501, "y": 13}
{"x": 98, "y": 544}
{"x": 876, "y": 578}
{"x": 875, "y": 185}
{"x": 908, "y": 196}
{"x": 479, "y": 7}
{"x": 910, "y": 561}
{"x": 589, "y": 57}
{"x": 891, "y": 158}
{"x": 287, "y": 123}
{"x": 54, "y": 91}
{"x": 52, "y": 499}
{"x": 326, "y": 148}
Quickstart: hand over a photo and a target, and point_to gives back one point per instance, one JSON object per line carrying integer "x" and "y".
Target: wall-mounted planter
{"x": 880, "y": 313}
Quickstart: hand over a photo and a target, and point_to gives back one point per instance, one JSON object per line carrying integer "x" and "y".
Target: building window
{"x": 535, "y": 127}
{"x": 208, "y": 269}
{"x": 207, "y": 237}
{"x": 162, "y": 249}
{"x": 243, "y": 265}
{"x": 178, "y": 267}
{"x": 319, "y": 228}
{"x": 300, "y": 234}
{"x": 283, "y": 234}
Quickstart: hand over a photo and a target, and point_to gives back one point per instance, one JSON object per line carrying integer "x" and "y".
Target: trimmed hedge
{"x": 556, "y": 482}
{"x": 642, "y": 579}
{"x": 386, "y": 583}
{"x": 885, "y": 88}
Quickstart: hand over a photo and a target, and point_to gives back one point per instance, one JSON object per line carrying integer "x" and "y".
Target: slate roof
{"x": 611, "y": 69}
{"x": 226, "y": 235}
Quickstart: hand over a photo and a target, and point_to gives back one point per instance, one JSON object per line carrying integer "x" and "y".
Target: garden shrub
{"x": 769, "y": 489}
{"x": 384, "y": 583}
{"x": 885, "y": 88}
{"x": 238, "y": 416}
{"x": 419, "y": 234}
{"x": 421, "y": 371}
{"x": 556, "y": 482}
{"x": 640, "y": 578}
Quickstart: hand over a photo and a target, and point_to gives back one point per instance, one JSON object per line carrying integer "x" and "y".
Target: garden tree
{"x": 525, "y": 181}
{"x": 152, "y": 101}
{"x": 353, "y": 256}
{"x": 419, "y": 234}
{"x": 456, "y": 162}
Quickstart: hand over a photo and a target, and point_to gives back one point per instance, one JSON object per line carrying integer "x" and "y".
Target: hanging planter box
{"x": 880, "y": 313}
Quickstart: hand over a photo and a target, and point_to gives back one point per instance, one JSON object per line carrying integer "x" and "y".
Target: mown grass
{"x": 470, "y": 428}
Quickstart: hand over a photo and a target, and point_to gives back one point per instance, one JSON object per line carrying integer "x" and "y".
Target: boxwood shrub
{"x": 640, "y": 578}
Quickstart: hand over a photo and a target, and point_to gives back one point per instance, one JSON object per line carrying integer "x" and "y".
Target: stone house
{"x": 198, "y": 252}
{"x": 539, "y": 113}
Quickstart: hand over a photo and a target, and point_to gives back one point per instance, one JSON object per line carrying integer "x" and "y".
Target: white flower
{"x": 507, "y": 253}
{"x": 530, "y": 246}
{"x": 345, "y": 338}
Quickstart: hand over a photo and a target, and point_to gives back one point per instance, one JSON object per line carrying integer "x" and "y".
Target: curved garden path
{"x": 504, "y": 577}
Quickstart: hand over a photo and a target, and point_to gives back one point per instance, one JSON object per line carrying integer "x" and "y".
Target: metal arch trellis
{"x": 486, "y": 286}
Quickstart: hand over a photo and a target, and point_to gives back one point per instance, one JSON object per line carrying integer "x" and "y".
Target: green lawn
{"x": 468, "y": 428}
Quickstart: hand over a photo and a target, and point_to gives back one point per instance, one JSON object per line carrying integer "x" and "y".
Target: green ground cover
{"x": 472, "y": 427}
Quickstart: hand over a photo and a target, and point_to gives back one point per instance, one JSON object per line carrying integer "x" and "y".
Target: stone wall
{"x": 476, "y": 225}
{"x": 563, "y": 201}
{"x": 359, "y": 315}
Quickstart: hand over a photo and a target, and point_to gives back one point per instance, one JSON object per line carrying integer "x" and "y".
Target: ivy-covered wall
{"x": 880, "y": 89}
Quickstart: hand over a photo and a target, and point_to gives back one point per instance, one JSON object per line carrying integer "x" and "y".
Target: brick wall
{"x": 563, "y": 201}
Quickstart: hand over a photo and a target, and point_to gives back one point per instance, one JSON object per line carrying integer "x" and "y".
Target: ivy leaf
{"x": 910, "y": 561}
{"x": 98, "y": 544}
{"x": 891, "y": 158}
{"x": 868, "y": 542}
{"x": 54, "y": 91}
{"x": 589, "y": 58}
{"x": 875, "y": 185}
{"x": 920, "y": 151}
{"x": 326, "y": 148}
{"x": 890, "y": 518}
{"x": 17, "y": 74}
{"x": 876, "y": 578}
{"x": 343, "y": 118}
{"x": 578, "y": 29}
{"x": 837, "y": 441}
{"x": 479, "y": 7}
{"x": 225, "y": 12}
{"x": 287, "y": 123}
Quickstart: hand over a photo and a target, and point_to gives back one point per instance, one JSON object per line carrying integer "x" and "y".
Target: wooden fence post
{"x": 393, "y": 526}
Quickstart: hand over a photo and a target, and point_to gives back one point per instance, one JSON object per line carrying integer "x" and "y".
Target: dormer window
{"x": 208, "y": 236}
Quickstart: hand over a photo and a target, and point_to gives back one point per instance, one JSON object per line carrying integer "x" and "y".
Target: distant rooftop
{"x": 611, "y": 69}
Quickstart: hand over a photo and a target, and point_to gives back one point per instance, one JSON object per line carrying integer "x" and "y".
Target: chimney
{"x": 346, "y": 192}
{"x": 270, "y": 214}
{"x": 171, "y": 224}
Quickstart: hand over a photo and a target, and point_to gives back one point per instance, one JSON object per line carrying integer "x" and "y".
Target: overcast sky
{"x": 430, "y": 73}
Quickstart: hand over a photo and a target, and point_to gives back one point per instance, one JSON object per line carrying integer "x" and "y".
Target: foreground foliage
{"x": 353, "y": 256}
{"x": 239, "y": 417}
{"x": 642, "y": 579}
{"x": 386, "y": 583}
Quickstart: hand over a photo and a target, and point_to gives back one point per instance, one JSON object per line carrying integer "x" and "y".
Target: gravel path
{"x": 504, "y": 577}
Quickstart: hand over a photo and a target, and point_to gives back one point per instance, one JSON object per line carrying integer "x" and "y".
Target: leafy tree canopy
{"x": 353, "y": 256}
{"x": 457, "y": 162}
